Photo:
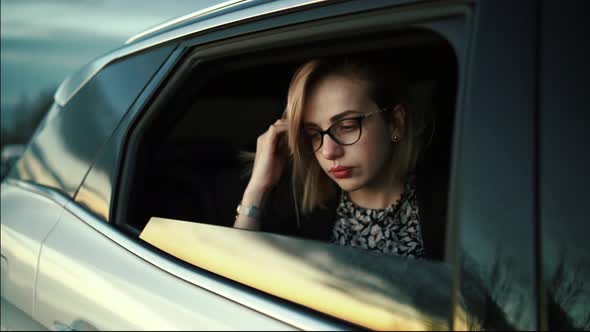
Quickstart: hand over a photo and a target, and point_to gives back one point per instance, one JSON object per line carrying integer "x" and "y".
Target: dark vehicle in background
{"x": 117, "y": 214}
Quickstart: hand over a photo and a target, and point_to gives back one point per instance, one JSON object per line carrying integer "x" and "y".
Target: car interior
{"x": 182, "y": 156}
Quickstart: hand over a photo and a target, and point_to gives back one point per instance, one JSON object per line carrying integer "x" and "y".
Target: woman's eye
{"x": 348, "y": 126}
{"x": 312, "y": 134}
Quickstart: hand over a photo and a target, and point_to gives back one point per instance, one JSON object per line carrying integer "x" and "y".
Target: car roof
{"x": 219, "y": 15}
{"x": 199, "y": 15}
{"x": 225, "y": 13}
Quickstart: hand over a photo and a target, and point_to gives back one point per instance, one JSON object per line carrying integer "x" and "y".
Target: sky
{"x": 43, "y": 41}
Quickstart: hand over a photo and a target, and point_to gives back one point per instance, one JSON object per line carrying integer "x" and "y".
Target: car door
{"x": 92, "y": 278}
{"x": 27, "y": 218}
{"x": 417, "y": 296}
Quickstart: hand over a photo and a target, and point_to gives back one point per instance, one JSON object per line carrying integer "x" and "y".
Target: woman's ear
{"x": 397, "y": 125}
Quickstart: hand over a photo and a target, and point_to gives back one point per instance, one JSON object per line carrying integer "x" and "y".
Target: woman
{"x": 353, "y": 146}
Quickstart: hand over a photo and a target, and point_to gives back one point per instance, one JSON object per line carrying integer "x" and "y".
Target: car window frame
{"x": 460, "y": 38}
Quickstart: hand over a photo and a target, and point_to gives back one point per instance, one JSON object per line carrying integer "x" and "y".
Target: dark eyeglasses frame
{"x": 360, "y": 123}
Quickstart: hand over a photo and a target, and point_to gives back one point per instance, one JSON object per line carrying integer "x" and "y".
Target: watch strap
{"x": 250, "y": 211}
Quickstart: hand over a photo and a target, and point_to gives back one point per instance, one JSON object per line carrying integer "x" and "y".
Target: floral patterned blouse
{"x": 394, "y": 230}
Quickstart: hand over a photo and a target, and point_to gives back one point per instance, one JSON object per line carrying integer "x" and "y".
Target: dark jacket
{"x": 280, "y": 216}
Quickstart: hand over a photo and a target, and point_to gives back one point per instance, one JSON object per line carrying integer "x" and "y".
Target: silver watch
{"x": 250, "y": 211}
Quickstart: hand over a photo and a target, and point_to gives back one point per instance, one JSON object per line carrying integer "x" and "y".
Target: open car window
{"x": 183, "y": 177}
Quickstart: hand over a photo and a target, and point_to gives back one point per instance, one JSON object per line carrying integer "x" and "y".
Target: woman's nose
{"x": 330, "y": 149}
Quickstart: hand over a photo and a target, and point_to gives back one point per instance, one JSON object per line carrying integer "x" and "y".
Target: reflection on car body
{"x": 10, "y": 153}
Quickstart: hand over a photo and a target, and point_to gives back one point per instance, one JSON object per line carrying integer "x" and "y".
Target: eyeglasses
{"x": 344, "y": 132}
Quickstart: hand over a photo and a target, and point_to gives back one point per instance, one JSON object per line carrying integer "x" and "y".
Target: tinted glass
{"x": 496, "y": 172}
{"x": 96, "y": 191}
{"x": 67, "y": 142}
{"x": 565, "y": 164}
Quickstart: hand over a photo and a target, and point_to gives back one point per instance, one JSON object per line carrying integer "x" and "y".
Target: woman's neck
{"x": 378, "y": 197}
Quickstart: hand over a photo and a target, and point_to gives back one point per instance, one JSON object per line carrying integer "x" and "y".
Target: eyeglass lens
{"x": 343, "y": 132}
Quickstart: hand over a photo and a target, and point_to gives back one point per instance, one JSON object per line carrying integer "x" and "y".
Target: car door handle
{"x": 77, "y": 325}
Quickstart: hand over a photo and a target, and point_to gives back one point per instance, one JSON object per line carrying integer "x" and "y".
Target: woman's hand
{"x": 269, "y": 162}
{"x": 271, "y": 155}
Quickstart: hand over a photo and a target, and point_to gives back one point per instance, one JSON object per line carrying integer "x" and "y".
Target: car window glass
{"x": 364, "y": 288}
{"x": 495, "y": 173}
{"x": 66, "y": 143}
{"x": 564, "y": 168}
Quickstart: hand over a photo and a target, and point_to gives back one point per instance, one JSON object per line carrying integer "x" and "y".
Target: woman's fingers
{"x": 269, "y": 159}
{"x": 278, "y": 132}
{"x": 277, "y": 128}
{"x": 271, "y": 135}
{"x": 279, "y": 125}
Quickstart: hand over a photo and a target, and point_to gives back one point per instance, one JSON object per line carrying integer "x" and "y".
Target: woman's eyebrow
{"x": 343, "y": 115}
{"x": 335, "y": 117}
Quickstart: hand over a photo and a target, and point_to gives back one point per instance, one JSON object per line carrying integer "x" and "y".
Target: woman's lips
{"x": 341, "y": 172}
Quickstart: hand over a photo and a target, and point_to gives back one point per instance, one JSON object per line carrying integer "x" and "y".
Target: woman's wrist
{"x": 254, "y": 196}
{"x": 245, "y": 222}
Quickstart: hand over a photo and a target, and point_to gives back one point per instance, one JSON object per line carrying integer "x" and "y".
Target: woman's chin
{"x": 348, "y": 184}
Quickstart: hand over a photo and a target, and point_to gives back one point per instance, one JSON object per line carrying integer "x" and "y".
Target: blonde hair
{"x": 386, "y": 89}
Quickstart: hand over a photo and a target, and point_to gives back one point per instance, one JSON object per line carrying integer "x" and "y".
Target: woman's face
{"x": 362, "y": 165}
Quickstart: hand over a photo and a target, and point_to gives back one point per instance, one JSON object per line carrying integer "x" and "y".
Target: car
{"x": 118, "y": 214}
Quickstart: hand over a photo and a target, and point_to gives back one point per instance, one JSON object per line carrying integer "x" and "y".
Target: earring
{"x": 395, "y": 138}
